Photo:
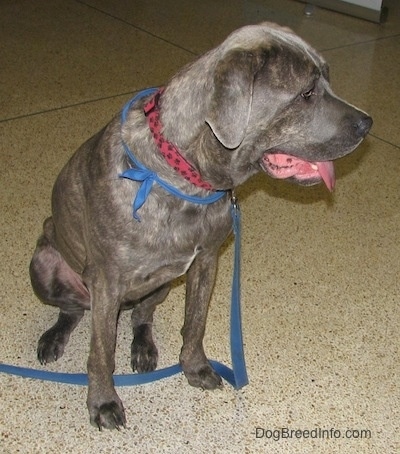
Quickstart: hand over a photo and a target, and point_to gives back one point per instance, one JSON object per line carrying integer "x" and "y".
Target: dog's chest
{"x": 164, "y": 266}
{"x": 168, "y": 249}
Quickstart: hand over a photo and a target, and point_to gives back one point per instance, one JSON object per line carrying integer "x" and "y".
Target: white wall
{"x": 373, "y": 4}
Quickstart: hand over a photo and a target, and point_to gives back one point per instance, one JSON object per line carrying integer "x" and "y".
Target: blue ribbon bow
{"x": 147, "y": 177}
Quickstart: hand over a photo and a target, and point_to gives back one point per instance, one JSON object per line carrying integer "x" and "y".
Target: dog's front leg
{"x": 199, "y": 286}
{"x": 104, "y": 405}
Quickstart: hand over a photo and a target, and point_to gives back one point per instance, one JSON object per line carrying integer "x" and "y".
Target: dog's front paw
{"x": 144, "y": 353}
{"x": 144, "y": 357}
{"x": 110, "y": 415}
{"x": 51, "y": 346}
{"x": 205, "y": 377}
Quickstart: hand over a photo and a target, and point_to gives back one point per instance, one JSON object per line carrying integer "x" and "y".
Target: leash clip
{"x": 234, "y": 201}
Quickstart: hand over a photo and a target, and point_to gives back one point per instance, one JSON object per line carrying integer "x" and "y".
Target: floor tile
{"x": 367, "y": 76}
{"x": 61, "y": 53}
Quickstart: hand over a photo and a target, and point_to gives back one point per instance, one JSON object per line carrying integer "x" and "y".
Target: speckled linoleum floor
{"x": 320, "y": 272}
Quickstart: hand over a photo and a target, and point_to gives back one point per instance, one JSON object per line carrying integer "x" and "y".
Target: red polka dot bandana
{"x": 167, "y": 149}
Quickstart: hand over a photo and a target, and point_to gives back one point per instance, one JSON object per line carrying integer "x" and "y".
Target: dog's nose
{"x": 363, "y": 125}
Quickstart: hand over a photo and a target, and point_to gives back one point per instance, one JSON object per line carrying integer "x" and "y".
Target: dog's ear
{"x": 231, "y": 101}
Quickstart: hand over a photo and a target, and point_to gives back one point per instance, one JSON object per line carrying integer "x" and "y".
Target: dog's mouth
{"x": 282, "y": 166}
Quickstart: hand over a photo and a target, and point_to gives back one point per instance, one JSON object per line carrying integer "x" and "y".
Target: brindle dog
{"x": 260, "y": 101}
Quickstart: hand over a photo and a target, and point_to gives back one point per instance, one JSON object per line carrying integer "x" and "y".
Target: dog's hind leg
{"x": 144, "y": 353}
{"x": 56, "y": 284}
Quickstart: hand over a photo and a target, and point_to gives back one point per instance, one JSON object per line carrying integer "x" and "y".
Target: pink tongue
{"x": 327, "y": 172}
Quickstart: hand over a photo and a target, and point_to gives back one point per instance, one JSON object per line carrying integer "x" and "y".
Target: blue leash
{"x": 237, "y": 376}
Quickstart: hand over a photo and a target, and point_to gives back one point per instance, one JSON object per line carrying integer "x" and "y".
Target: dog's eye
{"x": 307, "y": 95}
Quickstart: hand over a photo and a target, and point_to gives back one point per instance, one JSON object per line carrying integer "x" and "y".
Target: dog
{"x": 260, "y": 101}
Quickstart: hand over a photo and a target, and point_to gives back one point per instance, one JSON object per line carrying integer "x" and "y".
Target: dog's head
{"x": 269, "y": 104}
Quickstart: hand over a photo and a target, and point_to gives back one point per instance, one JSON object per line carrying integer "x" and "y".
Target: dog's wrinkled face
{"x": 276, "y": 96}
{"x": 326, "y": 128}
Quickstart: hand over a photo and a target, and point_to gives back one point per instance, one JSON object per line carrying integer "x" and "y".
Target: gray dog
{"x": 259, "y": 101}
